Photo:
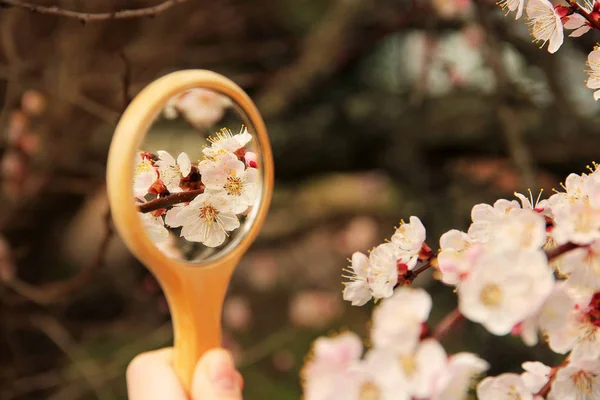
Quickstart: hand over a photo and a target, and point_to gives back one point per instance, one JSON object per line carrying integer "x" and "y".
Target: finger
{"x": 216, "y": 378}
{"x": 150, "y": 376}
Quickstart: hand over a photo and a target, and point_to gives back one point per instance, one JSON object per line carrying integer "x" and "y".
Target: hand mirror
{"x": 190, "y": 179}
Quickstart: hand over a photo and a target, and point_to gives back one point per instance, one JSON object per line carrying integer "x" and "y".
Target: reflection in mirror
{"x": 197, "y": 176}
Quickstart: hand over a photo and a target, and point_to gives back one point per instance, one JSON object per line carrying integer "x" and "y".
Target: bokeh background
{"x": 377, "y": 110}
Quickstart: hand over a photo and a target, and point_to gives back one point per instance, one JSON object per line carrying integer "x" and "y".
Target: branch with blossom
{"x": 204, "y": 201}
{"x": 548, "y": 22}
{"x": 526, "y": 268}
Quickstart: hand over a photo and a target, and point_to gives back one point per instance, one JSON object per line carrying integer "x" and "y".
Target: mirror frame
{"x": 129, "y": 134}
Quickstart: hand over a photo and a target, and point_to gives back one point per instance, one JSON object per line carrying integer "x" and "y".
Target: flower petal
{"x": 185, "y": 165}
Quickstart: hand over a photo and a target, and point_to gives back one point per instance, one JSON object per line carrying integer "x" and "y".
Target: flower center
{"x": 491, "y": 295}
{"x": 209, "y": 214}
{"x": 513, "y": 394}
{"x": 234, "y": 185}
{"x": 170, "y": 175}
{"x": 141, "y": 167}
{"x": 368, "y": 391}
{"x": 408, "y": 364}
{"x": 583, "y": 381}
{"x": 543, "y": 25}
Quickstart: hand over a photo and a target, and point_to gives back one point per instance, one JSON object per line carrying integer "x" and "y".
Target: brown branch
{"x": 93, "y": 17}
{"x": 51, "y": 292}
{"x": 450, "y": 321}
{"x": 170, "y": 200}
{"x": 551, "y": 254}
{"x": 412, "y": 275}
{"x": 560, "y": 250}
{"x": 546, "y": 388}
{"x": 583, "y": 12}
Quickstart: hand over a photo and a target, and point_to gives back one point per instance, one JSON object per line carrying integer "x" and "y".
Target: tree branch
{"x": 446, "y": 324}
{"x": 170, "y": 200}
{"x": 560, "y": 250}
{"x": 583, "y": 12}
{"x": 93, "y": 17}
{"x": 55, "y": 291}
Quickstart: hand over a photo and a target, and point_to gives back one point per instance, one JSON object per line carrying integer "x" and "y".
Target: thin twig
{"x": 560, "y": 250}
{"x": 170, "y": 200}
{"x": 583, "y": 12}
{"x": 51, "y": 292}
{"x": 450, "y": 321}
{"x": 88, "y": 369}
{"x": 266, "y": 347}
{"x": 93, "y": 17}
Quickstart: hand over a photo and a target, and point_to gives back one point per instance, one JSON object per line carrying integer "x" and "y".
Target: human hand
{"x": 150, "y": 376}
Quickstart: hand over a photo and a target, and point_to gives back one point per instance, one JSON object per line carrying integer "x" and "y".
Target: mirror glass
{"x": 197, "y": 176}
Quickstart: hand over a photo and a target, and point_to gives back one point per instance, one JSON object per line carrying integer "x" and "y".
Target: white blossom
{"x": 578, "y": 24}
{"x": 485, "y": 218}
{"x": 357, "y": 290}
{"x": 513, "y": 5}
{"x": 503, "y": 387}
{"x": 410, "y": 237}
{"x": 570, "y": 325}
{"x": 536, "y": 375}
{"x": 519, "y": 229}
{"x": 144, "y": 175}
{"x": 593, "y": 63}
{"x": 170, "y": 171}
{"x": 505, "y": 288}
{"x": 385, "y": 378}
{"x": 576, "y": 213}
{"x": 225, "y": 142}
{"x": 376, "y": 276}
{"x": 207, "y": 219}
{"x": 200, "y": 107}
{"x": 538, "y": 205}
{"x": 230, "y": 175}
{"x": 383, "y": 271}
{"x": 332, "y": 371}
{"x": 407, "y": 375}
{"x": 455, "y": 380}
{"x": 154, "y": 227}
{"x": 545, "y": 24}
{"x": 451, "y": 258}
{"x": 579, "y": 380}
{"x": 397, "y": 322}
{"x": 582, "y": 265}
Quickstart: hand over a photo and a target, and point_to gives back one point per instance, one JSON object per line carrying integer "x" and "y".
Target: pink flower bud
{"x": 251, "y": 160}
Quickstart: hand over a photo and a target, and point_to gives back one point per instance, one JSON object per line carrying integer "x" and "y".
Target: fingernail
{"x": 223, "y": 374}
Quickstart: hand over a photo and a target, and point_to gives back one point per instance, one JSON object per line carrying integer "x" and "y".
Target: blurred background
{"x": 377, "y": 110}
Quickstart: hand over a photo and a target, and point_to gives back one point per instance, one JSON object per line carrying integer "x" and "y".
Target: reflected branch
{"x": 172, "y": 199}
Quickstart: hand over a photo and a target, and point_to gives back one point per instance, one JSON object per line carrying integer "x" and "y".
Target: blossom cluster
{"x": 401, "y": 364}
{"x": 548, "y": 22}
{"x": 524, "y": 267}
{"x": 224, "y": 184}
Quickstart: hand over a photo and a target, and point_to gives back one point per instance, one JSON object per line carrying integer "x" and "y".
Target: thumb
{"x": 216, "y": 378}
